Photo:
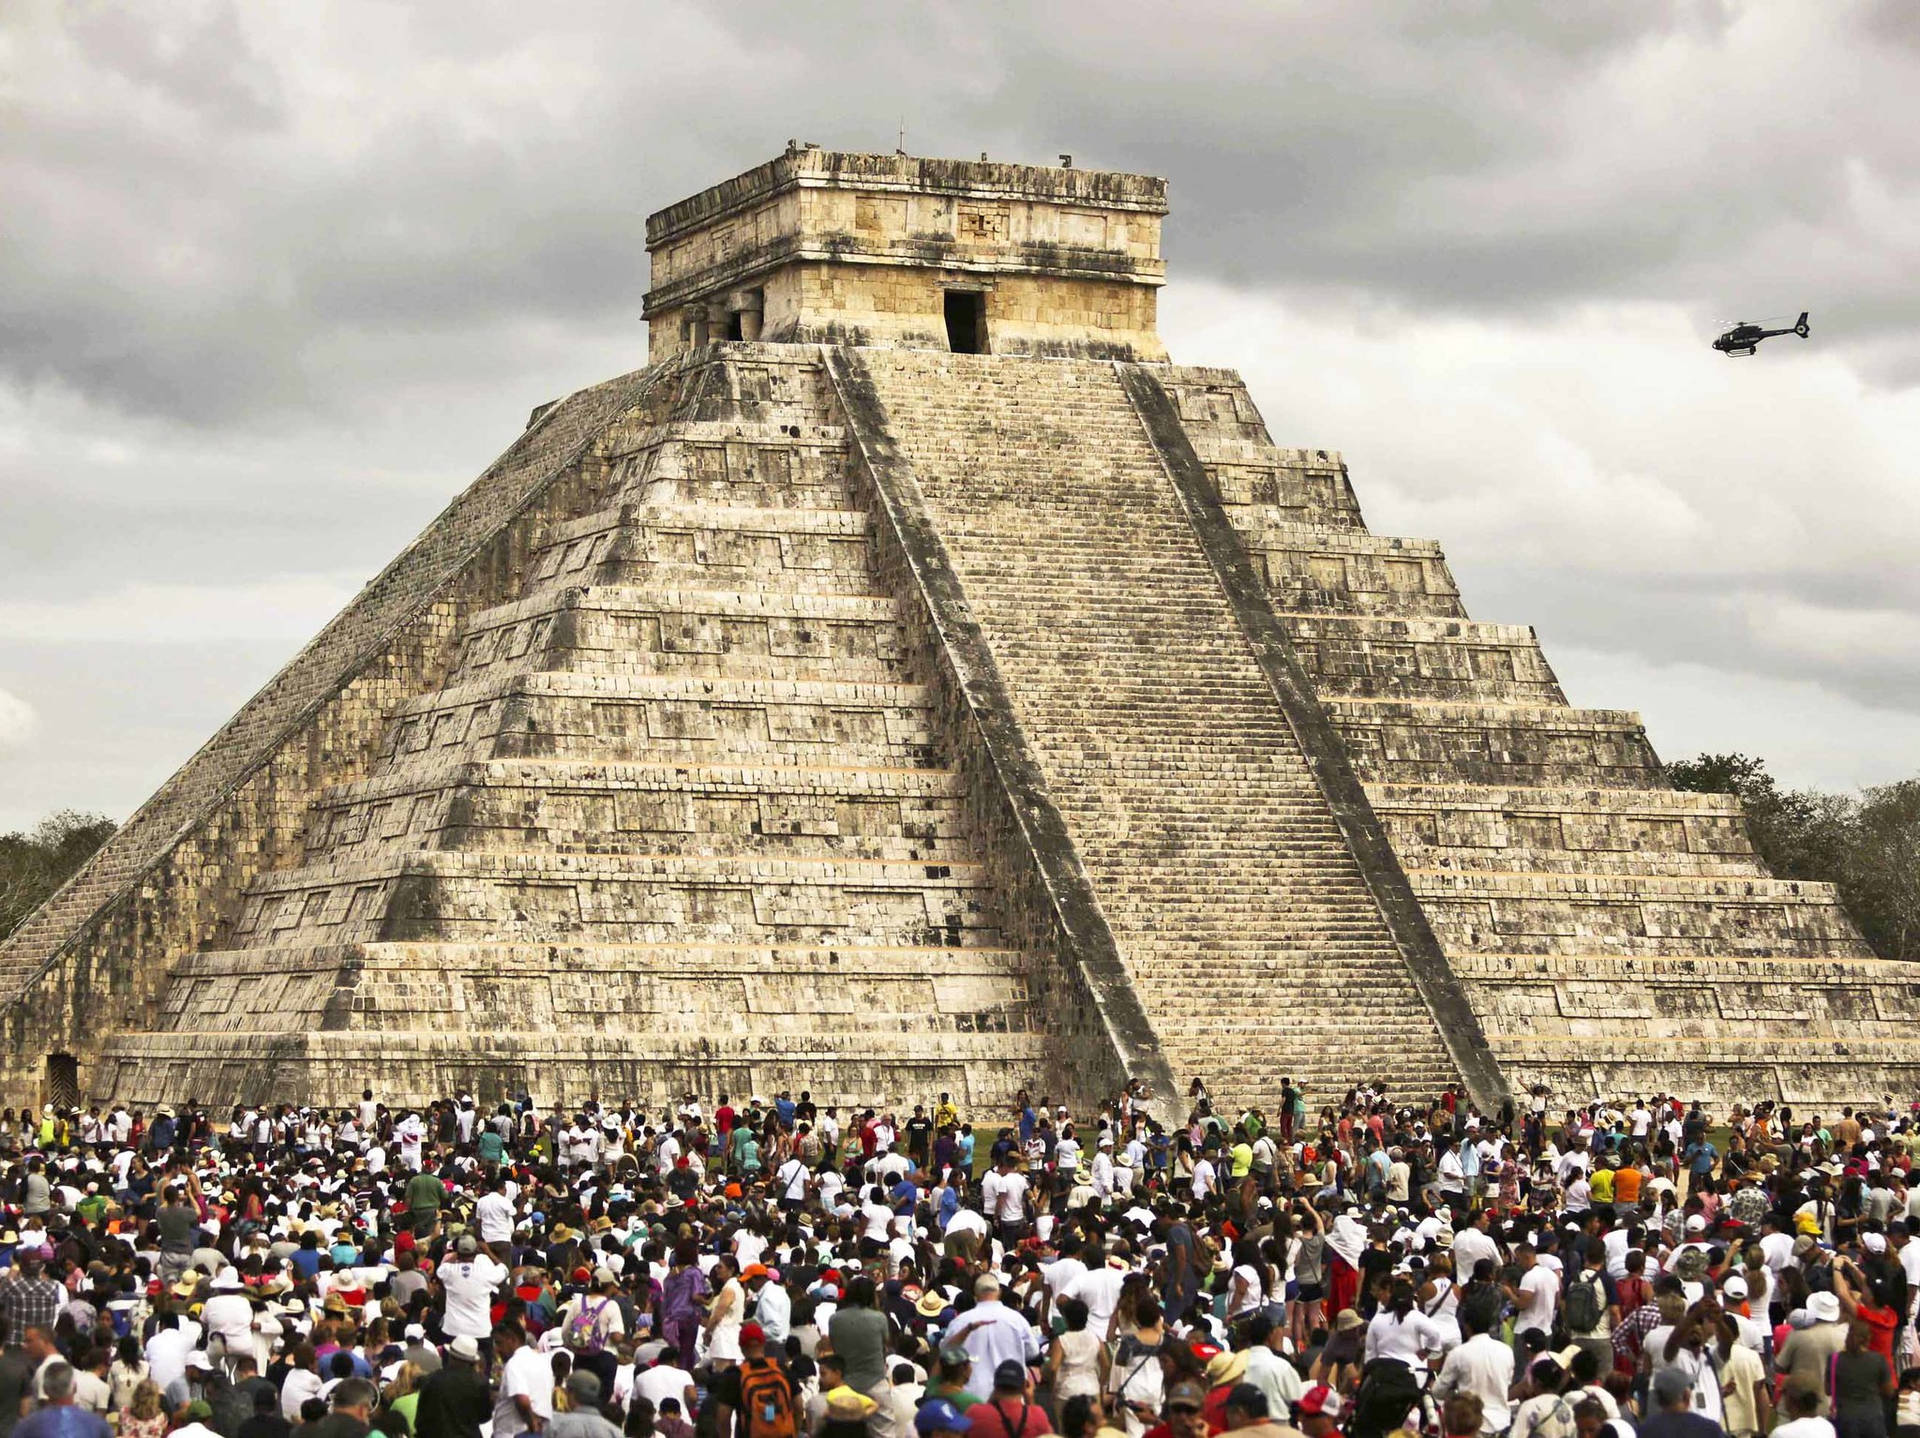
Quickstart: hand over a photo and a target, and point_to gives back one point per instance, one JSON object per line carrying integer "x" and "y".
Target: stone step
{"x": 1609, "y": 888}
{"x": 473, "y": 895}
{"x": 1433, "y": 822}
{"x": 842, "y": 1065}
{"x": 720, "y": 518}
{"x": 825, "y": 551}
{"x": 1515, "y": 858}
{"x": 1390, "y": 657}
{"x": 1462, "y": 742}
{"x": 1159, "y": 735}
{"x": 667, "y": 808}
{"x": 624, "y": 629}
{"x": 639, "y": 990}
{"x": 576, "y": 715}
{"x": 830, "y": 491}
{"x": 1633, "y": 914}
{"x": 1621, "y": 973}
{"x": 1312, "y": 568}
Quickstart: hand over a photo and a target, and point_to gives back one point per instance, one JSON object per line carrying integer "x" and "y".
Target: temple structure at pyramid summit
{"x": 910, "y": 680}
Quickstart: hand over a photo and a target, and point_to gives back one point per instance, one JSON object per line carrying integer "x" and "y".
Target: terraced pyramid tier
{"x": 677, "y": 817}
{"x": 1614, "y": 935}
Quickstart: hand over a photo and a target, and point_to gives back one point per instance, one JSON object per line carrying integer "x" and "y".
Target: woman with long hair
{"x": 1862, "y": 1382}
{"x": 145, "y": 1416}
{"x": 682, "y": 1294}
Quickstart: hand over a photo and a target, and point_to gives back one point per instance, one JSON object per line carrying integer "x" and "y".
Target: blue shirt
{"x": 62, "y": 1421}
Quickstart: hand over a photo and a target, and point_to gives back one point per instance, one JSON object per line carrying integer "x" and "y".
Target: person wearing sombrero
{"x": 846, "y": 1413}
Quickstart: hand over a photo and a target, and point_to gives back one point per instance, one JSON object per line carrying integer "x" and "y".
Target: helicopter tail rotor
{"x": 1800, "y": 325}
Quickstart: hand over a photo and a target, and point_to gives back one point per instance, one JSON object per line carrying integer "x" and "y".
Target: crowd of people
{"x": 771, "y": 1268}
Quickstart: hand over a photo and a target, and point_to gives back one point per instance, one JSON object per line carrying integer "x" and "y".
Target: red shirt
{"x": 1880, "y": 1325}
{"x": 1000, "y": 1417}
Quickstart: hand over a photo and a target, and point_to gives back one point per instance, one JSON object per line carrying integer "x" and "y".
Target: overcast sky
{"x": 277, "y": 281}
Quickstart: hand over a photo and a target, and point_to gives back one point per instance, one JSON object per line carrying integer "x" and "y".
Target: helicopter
{"x": 1744, "y": 338}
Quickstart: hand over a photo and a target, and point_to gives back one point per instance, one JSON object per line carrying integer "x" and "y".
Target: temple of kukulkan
{"x": 911, "y": 681}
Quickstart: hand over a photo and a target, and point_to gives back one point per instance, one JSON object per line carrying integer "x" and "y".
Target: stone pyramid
{"x": 909, "y": 683}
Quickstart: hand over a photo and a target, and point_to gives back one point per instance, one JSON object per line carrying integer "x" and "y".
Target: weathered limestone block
{"x": 1440, "y": 742}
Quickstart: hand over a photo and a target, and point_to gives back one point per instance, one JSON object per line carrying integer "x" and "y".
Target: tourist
{"x": 607, "y": 1245}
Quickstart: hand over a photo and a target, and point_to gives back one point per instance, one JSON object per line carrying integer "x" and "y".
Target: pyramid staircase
{"x": 677, "y": 819}
{"x": 1615, "y": 935}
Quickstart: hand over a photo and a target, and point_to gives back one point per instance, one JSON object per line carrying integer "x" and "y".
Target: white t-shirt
{"x": 1202, "y": 1178}
{"x": 469, "y": 1284}
{"x": 663, "y": 1380}
{"x": 1805, "y": 1428}
{"x": 1099, "y": 1289}
{"x": 528, "y": 1372}
{"x": 793, "y": 1178}
{"x": 1005, "y": 1195}
{"x": 493, "y": 1215}
{"x": 1540, "y": 1292}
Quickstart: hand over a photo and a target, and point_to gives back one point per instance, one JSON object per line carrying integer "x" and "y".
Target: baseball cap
{"x": 1320, "y": 1401}
{"x": 940, "y": 1416}
{"x": 1010, "y": 1375}
{"x": 752, "y": 1333}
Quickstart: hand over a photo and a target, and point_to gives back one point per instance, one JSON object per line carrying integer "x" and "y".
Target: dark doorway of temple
{"x": 967, "y": 322}
{"x": 63, "y": 1080}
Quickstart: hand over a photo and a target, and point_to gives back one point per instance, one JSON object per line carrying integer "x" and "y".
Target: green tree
{"x": 33, "y": 865}
{"x": 1883, "y": 879}
{"x": 1867, "y": 847}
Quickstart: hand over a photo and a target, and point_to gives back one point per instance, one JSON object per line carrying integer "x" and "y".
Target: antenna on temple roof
{"x": 900, "y": 147}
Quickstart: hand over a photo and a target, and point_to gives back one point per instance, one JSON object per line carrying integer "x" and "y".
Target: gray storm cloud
{"x": 279, "y": 279}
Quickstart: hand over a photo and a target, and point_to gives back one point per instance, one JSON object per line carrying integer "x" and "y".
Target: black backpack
{"x": 1586, "y": 1304}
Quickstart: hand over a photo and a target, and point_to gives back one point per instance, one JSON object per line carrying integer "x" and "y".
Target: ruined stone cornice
{"x": 935, "y": 252}
{"x": 907, "y": 174}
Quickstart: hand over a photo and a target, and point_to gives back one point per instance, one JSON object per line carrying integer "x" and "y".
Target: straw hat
{"x": 1226, "y": 1368}
{"x": 849, "y": 1405}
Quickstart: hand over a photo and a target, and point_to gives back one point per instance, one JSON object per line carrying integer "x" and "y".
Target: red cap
{"x": 752, "y": 1333}
{"x": 1320, "y": 1400}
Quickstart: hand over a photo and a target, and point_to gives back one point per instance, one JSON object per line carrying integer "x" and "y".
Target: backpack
{"x": 1586, "y": 1305}
{"x": 1483, "y": 1308}
{"x": 583, "y": 1329}
{"x": 766, "y": 1398}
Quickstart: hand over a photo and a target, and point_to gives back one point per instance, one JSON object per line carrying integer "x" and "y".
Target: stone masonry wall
{"x": 94, "y": 958}
{"x": 1252, "y": 939}
{"x": 1614, "y": 935}
{"x": 679, "y": 812}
